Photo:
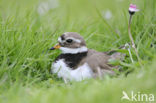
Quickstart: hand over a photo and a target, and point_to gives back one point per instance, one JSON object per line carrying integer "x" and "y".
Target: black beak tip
{"x": 52, "y": 48}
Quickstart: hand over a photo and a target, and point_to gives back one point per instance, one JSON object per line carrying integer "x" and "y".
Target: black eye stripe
{"x": 69, "y": 40}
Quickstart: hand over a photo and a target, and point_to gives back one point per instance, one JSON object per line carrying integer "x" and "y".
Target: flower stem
{"x": 132, "y": 40}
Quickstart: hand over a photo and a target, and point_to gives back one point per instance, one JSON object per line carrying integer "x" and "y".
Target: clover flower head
{"x": 133, "y": 9}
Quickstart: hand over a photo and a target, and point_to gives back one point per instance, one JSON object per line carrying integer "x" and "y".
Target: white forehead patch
{"x": 59, "y": 39}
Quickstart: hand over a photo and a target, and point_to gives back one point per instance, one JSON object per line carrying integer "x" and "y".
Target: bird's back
{"x": 100, "y": 60}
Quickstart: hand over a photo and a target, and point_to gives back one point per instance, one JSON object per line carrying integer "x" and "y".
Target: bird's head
{"x": 71, "y": 42}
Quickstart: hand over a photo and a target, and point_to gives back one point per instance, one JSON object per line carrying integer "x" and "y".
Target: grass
{"x": 26, "y": 36}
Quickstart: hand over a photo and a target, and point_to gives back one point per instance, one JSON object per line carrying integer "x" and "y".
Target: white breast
{"x": 80, "y": 73}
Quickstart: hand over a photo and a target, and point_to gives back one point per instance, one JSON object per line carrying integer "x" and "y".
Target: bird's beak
{"x": 55, "y": 47}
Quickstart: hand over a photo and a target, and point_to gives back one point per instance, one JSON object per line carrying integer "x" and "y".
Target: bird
{"x": 77, "y": 62}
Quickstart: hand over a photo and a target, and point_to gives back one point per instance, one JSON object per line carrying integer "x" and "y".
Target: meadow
{"x": 28, "y": 28}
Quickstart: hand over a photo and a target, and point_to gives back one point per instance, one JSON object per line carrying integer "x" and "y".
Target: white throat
{"x": 73, "y": 50}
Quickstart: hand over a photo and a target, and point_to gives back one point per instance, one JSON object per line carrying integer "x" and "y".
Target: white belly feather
{"x": 80, "y": 73}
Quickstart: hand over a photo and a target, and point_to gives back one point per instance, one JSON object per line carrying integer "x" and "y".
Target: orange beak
{"x": 55, "y": 47}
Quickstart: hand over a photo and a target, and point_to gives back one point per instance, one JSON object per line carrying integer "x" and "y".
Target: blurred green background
{"x": 28, "y": 28}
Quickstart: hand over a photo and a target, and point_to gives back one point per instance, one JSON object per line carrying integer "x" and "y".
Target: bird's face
{"x": 70, "y": 42}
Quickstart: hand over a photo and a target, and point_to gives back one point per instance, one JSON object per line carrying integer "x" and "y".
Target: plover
{"x": 77, "y": 62}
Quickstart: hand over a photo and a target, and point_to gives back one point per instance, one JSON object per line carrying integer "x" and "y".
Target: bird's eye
{"x": 69, "y": 40}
